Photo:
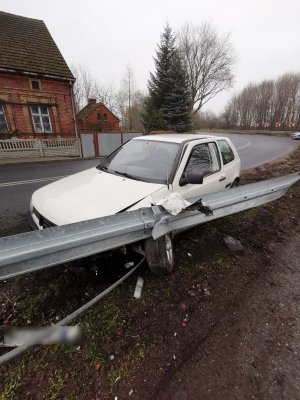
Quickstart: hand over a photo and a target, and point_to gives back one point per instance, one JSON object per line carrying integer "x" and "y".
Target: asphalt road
{"x": 19, "y": 181}
{"x": 256, "y": 150}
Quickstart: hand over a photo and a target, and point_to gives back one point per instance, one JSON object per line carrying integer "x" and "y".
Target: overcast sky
{"x": 106, "y": 36}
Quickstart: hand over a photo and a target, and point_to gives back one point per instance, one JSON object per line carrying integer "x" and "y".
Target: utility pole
{"x": 129, "y": 97}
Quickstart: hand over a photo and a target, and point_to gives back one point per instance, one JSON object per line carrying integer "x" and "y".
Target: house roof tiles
{"x": 27, "y": 46}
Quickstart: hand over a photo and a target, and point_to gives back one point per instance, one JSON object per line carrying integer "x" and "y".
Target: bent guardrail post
{"x": 32, "y": 251}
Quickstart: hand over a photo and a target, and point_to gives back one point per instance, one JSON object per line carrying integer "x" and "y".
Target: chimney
{"x": 91, "y": 101}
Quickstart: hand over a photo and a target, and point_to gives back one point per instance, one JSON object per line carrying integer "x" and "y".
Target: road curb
{"x": 40, "y": 160}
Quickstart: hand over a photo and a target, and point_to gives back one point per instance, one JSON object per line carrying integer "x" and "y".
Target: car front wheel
{"x": 159, "y": 255}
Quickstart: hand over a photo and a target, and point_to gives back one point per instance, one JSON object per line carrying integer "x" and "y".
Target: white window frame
{"x": 3, "y": 113}
{"x": 40, "y": 115}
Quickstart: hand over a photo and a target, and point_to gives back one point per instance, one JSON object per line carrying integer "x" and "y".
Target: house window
{"x": 99, "y": 117}
{"x": 105, "y": 117}
{"x": 35, "y": 85}
{"x": 3, "y": 124}
{"x": 41, "y": 119}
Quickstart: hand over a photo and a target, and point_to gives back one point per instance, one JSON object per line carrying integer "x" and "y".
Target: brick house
{"x": 36, "y": 84}
{"x": 96, "y": 117}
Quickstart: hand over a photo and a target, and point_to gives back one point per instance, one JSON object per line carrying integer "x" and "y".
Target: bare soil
{"x": 224, "y": 326}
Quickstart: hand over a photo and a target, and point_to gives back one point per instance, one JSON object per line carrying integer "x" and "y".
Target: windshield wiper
{"x": 125, "y": 175}
{"x": 101, "y": 168}
{"x": 105, "y": 169}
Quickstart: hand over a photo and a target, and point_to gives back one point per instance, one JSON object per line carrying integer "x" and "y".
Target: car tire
{"x": 159, "y": 255}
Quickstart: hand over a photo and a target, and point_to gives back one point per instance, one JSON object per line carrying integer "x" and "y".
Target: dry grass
{"x": 287, "y": 165}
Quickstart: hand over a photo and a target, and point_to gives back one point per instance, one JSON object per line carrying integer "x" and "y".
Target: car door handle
{"x": 223, "y": 178}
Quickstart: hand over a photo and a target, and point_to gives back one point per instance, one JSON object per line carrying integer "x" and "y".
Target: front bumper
{"x": 37, "y": 221}
{"x": 31, "y": 222}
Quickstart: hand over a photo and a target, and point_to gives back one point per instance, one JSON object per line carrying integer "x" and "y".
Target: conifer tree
{"x": 152, "y": 119}
{"x": 177, "y": 111}
{"x": 168, "y": 105}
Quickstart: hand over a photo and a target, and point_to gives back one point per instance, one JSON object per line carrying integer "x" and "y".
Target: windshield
{"x": 145, "y": 160}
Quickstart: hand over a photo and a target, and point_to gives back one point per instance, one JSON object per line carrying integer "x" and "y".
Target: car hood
{"x": 89, "y": 194}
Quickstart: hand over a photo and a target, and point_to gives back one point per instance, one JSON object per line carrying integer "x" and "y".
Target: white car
{"x": 142, "y": 172}
{"x": 295, "y": 135}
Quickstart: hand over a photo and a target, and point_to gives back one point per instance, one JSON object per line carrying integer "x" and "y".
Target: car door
{"x": 205, "y": 159}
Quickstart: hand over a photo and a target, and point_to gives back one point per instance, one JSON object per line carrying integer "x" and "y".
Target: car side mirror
{"x": 192, "y": 177}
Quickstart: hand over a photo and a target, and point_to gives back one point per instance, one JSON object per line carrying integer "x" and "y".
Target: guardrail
{"x": 32, "y": 251}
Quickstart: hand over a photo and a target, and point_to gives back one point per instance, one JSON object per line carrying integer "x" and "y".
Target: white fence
{"x": 18, "y": 148}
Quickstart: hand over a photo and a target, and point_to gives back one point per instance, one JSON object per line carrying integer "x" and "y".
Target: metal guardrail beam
{"x": 32, "y": 251}
{"x": 226, "y": 203}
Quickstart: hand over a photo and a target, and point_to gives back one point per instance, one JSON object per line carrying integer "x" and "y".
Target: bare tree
{"x": 209, "y": 58}
{"x": 77, "y": 88}
{"x": 129, "y": 87}
{"x": 130, "y": 102}
{"x": 206, "y": 120}
{"x": 121, "y": 101}
{"x": 84, "y": 85}
{"x": 136, "y": 109}
{"x": 126, "y": 102}
{"x": 229, "y": 114}
{"x": 134, "y": 112}
{"x": 87, "y": 86}
{"x": 106, "y": 94}
{"x": 270, "y": 104}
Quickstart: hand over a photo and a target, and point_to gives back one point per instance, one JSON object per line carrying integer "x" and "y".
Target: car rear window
{"x": 226, "y": 151}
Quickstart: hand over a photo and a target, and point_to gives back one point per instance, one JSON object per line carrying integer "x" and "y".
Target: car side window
{"x": 226, "y": 151}
{"x": 204, "y": 159}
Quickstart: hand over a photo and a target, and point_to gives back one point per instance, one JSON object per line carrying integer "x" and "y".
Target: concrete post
{"x": 39, "y": 142}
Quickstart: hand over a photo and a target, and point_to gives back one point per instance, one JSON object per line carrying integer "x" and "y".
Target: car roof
{"x": 177, "y": 137}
